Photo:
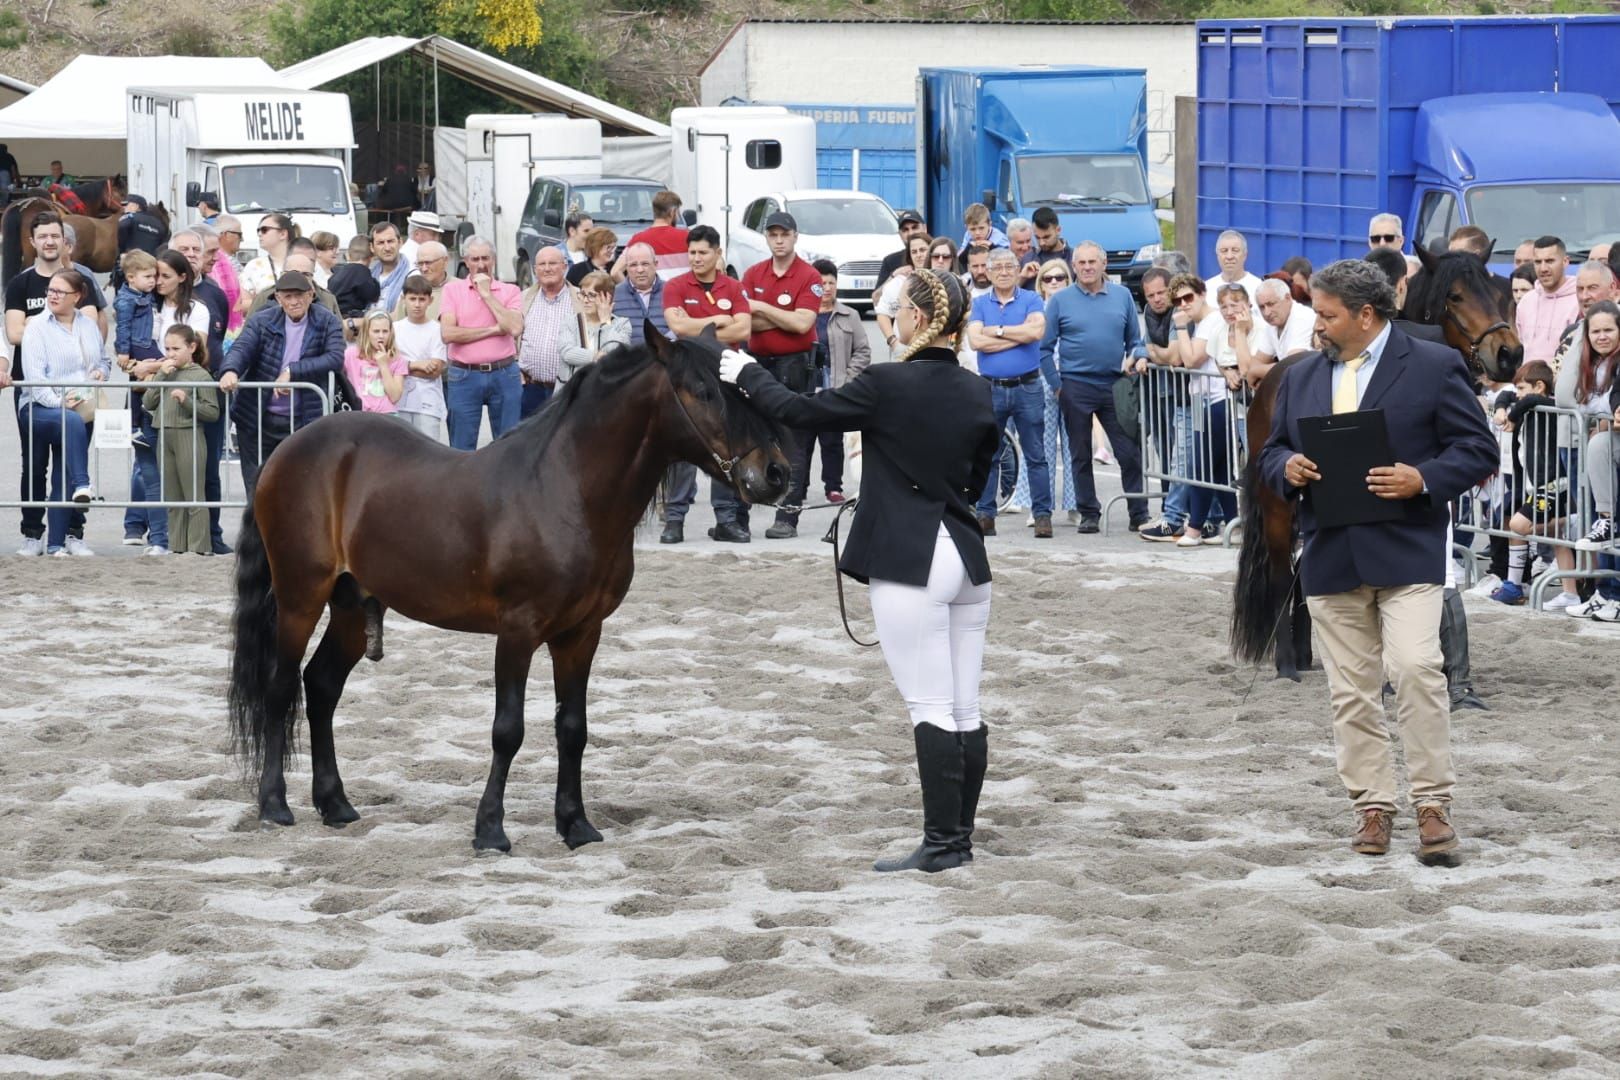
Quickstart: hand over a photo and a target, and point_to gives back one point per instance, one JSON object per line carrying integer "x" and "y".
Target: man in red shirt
{"x": 784, "y": 296}
{"x": 666, "y": 238}
{"x": 705, "y": 297}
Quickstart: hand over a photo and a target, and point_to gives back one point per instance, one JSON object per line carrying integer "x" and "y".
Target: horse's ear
{"x": 711, "y": 339}
{"x": 1424, "y": 256}
{"x": 655, "y": 339}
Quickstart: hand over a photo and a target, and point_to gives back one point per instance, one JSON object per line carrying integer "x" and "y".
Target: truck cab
{"x": 313, "y": 189}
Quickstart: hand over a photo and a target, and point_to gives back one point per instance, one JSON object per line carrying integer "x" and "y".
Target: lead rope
{"x": 843, "y": 610}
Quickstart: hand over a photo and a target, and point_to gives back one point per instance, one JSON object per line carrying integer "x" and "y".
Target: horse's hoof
{"x": 275, "y": 815}
{"x": 339, "y": 816}
{"x": 493, "y": 843}
{"x": 580, "y": 833}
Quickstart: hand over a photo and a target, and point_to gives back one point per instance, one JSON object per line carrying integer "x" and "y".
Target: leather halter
{"x": 726, "y": 466}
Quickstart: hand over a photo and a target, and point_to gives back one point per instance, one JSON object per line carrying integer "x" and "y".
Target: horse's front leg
{"x": 571, "y": 657}
{"x": 512, "y": 657}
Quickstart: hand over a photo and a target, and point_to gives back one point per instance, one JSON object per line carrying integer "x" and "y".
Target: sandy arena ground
{"x": 1163, "y": 887}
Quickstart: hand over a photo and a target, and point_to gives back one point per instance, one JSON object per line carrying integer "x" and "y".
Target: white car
{"x": 853, "y": 229}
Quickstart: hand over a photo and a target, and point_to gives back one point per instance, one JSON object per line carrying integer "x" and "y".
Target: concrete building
{"x": 857, "y": 78}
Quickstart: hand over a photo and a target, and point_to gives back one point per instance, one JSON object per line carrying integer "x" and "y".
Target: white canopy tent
{"x": 522, "y": 88}
{"x": 77, "y": 116}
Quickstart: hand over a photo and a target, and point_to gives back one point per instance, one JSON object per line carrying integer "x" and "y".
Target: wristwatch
{"x": 1001, "y": 331}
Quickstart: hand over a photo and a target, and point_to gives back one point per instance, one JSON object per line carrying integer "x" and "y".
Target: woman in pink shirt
{"x": 374, "y": 367}
{"x": 223, "y": 273}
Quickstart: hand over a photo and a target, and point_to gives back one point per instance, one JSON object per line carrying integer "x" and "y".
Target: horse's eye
{"x": 704, "y": 393}
{"x": 1455, "y": 298}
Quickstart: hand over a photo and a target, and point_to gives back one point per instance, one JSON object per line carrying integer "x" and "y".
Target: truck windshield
{"x": 613, "y": 205}
{"x": 833, "y": 217}
{"x": 1081, "y": 180}
{"x": 1581, "y": 215}
{"x": 311, "y": 189}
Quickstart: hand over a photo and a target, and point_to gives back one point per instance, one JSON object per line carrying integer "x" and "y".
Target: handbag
{"x": 87, "y": 405}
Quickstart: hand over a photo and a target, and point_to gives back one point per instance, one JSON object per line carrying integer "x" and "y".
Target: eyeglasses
{"x": 59, "y": 293}
{"x": 1383, "y": 238}
{"x": 941, "y": 256}
{"x": 1055, "y": 279}
{"x": 268, "y": 228}
{"x": 1186, "y": 298}
{"x": 230, "y": 232}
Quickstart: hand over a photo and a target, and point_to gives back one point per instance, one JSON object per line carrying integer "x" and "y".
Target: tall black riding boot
{"x": 975, "y": 759}
{"x": 1454, "y": 653}
{"x": 939, "y": 765}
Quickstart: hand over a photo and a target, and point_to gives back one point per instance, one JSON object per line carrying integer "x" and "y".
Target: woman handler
{"x": 928, "y": 436}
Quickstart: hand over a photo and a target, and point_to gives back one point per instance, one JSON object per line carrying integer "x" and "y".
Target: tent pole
{"x": 435, "y": 80}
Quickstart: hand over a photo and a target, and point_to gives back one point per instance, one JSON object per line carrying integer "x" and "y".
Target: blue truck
{"x": 1070, "y": 138}
{"x": 1309, "y": 127}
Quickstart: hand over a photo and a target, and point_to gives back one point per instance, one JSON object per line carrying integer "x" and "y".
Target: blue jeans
{"x": 1210, "y": 465}
{"x": 50, "y": 430}
{"x": 535, "y": 396}
{"x": 1180, "y": 458}
{"x": 1083, "y": 399}
{"x": 1026, "y": 406}
{"x": 145, "y": 485}
{"x": 1057, "y": 457}
{"x": 34, "y": 480}
{"x": 470, "y": 391}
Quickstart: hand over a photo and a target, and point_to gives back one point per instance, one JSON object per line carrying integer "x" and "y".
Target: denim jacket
{"x": 134, "y": 310}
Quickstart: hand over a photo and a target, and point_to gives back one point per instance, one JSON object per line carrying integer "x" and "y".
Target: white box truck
{"x": 505, "y": 156}
{"x": 724, "y": 158}
{"x": 262, "y": 149}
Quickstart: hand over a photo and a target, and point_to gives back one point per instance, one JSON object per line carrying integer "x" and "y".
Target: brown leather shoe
{"x": 987, "y": 525}
{"x": 1435, "y": 834}
{"x": 1373, "y": 836}
{"x": 1043, "y": 528}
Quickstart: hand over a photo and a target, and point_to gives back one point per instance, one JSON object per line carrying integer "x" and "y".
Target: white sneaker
{"x": 1608, "y": 612}
{"x": 84, "y": 494}
{"x": 155, "y": 550}
{"x": 1030, "y": 524}
{"x": 74, "y": 546}
{"x": 1485, "y": 585}
{"x": 1562, "y": 602}
{"x": 35, "y": 546}
{"x": 1585, "y": 609}
{"x": 1190, "y": 540}
{"x": 135, "y": 541}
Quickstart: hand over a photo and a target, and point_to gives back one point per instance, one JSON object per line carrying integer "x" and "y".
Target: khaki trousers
{"x": 1364, "y": 632}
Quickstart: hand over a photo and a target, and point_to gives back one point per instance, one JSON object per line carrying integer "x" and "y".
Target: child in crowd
{"x": 373, "y": 365}
{"x": 1543, "y": 484}
{"x": 179, "y": 413}
{"x": 419, "y": 342}
{"x": 132, "y": 334}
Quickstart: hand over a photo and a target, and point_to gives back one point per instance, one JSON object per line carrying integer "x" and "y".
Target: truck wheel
{"x": 525, "y": 270}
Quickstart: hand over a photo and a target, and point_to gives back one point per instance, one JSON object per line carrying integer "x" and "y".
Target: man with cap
{"x": 294, "y": 341}
{"x": 138, "y": 230}
{"x": 423, "y": 228}
{"x": 784, "y": 296}
{"x": 911, "y": 223}
{"x": 208, "y": 207}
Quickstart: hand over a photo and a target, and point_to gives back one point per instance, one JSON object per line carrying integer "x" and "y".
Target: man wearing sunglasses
{"x": 1385, "y": 231}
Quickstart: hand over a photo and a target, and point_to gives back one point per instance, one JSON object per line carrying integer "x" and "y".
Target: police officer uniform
{"x": 928, "y": 437}
{"x": 138, "y": 230}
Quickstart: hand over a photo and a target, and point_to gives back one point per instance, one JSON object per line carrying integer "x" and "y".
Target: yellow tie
{"x": 1345, "y": 398}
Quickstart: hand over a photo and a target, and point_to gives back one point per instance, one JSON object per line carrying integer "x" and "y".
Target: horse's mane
{"x": 1444, "y": 271}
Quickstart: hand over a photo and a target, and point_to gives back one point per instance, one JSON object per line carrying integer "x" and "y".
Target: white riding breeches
{"x": 933, "y": 639}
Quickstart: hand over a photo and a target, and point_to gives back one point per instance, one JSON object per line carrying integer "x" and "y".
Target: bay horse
{"x": 95, "y": 238}
{"x": 530, "y": 539}
{"x": 1460, "y": 299}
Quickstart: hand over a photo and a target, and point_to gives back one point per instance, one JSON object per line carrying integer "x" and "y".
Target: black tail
{"x": 253, "y": 658}
{"x": 1262, "y": 587}
{"x": 10, "y": 244}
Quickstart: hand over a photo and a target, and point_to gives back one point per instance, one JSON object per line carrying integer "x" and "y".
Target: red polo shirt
{"x": 723, "y": 296}
{"x": 798, "y": 289}
{"x": 669, "y": 248}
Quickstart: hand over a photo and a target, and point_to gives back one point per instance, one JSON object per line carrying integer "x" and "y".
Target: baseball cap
{"x": 293, "y": 281}
{"x": 910, "y": 217}
{"x": 138, "y": 200}
{"x": 781, "y": 220}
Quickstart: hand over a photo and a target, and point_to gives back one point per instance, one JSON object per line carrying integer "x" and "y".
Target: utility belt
{"x": 1017, "y": 380}
{"x": 796, "y": 371}
{"x": 486, "y": 368}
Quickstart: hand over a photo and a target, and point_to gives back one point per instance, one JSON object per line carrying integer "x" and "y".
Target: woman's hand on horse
{"x": 732, "y": 361}
{"x": 1300, "y": 470}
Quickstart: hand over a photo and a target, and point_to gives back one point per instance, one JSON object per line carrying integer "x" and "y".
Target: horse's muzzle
{"x": 764, "y": 485}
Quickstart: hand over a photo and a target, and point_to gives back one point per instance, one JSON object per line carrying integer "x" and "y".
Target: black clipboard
{"x": 1345, "y": 447}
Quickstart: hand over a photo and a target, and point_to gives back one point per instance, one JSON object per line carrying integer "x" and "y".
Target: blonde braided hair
{"x": 942, "y": 296}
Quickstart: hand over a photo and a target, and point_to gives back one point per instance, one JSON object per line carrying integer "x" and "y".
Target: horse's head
{"x": 713, "y": 424}
{"x": 1461, "y": 299}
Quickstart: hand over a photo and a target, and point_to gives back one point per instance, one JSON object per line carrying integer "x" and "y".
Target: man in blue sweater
{"x": 1092, "y": 328}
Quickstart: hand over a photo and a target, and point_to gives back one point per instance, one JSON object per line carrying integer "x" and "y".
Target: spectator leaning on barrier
{"x": 296, "y": 341}
{"x": 1551, "y": 306}
{"x": 1593, "y": 282}
{"x": 60, "y": 344}
{"x": 842, "y": 352}
{"x": 193, "y": 243}
{"x": 910, "y": 224}
{"x": 481, "y": 319}
{"x": 179, "y": 411}
{"x": 1005, "y": 327}
{"x": 1292, "y": 324}
{"x": 25, "y": 297}
{"x": 1208, "y": 340}
{"x": 1166, "y": 398}
{"x": 547, "y": 306}
{"x": 1586, "y": 383}
{"x": 299, "y": 263}
{"x": 1384, "y": 230}
{"x": 1093, "y": 332}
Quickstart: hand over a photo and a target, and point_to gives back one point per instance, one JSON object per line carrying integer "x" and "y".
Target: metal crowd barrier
{"x": 125, "y": 455}
{"x": 1180, "y": 433}
{"x": 1550, "y": 482}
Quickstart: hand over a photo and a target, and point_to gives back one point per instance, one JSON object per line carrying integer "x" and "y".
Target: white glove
{"x": 732, "y": 361}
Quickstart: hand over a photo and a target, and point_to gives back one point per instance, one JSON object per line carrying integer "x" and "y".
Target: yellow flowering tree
{"x": 501, "y": 25}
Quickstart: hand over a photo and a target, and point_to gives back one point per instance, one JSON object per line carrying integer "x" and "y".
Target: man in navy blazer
{"x": 1375, "y": 590}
